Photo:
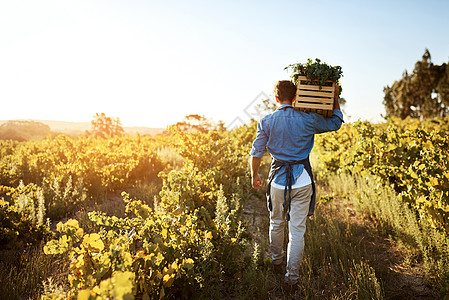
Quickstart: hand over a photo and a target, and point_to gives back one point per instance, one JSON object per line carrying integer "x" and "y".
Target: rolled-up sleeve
{"x": 322, "y": 124}
{"x": 259, "y": 147}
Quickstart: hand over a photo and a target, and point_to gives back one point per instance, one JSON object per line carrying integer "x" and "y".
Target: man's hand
{"x": 255, "y": 165}
{"x": 257, "y": 181}
{"x": 336, "y": 98}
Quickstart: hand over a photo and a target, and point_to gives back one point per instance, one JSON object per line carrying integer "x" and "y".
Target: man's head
{"x": 284, "y": 91}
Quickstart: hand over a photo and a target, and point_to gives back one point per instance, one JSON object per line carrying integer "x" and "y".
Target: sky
{"x": 151, "y": 63}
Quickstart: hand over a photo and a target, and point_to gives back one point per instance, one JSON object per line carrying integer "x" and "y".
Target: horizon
{"x": 62, "y": 121}
{"x": 151, "y": 64}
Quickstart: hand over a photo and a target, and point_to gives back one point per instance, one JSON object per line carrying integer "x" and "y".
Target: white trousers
{"x": 296, "y": 227}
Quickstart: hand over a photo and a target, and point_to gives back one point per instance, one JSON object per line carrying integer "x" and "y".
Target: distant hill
{"x": 74, "y": 128}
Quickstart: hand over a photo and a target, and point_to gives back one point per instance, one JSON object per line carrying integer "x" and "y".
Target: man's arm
{"x": 336, "y": 97}
{"x": 255, "y": 176}
{"x": 258, "y": 149}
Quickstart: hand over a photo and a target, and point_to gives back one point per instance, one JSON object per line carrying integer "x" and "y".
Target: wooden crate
{"x": 310, "y": 97}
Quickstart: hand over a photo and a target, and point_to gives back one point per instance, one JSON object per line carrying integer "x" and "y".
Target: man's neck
{"x": 284, "y": 103}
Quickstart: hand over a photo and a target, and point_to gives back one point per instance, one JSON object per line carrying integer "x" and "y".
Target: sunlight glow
{"x": 152, "y": 63}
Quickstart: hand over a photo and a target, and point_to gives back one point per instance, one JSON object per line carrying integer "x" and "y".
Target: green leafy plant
{"x": 316, "y": 71}
{"x": 17, "y": 229}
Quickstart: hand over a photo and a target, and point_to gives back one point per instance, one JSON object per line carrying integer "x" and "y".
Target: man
{"x": 288, "y": 135}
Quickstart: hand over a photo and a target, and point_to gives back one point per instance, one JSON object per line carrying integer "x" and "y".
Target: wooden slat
{"x": 327, "y": 113}
{"x": 314, "y": 93}
{"x": 302, "y": 103}
{"x": 315, "y": 88}
{"x": 313, "y": 99}
{"x": 315, "y": 106}
{"x": 304, "y": 78}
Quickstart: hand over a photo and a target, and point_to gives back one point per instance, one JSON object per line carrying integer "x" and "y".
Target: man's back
{"x": 288, "y": 135}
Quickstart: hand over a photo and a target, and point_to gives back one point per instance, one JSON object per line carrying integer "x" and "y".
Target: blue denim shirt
{"x": 288, "y": 135}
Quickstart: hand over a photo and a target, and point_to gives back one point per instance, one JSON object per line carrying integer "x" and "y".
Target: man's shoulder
{"x": 268, "y": 117}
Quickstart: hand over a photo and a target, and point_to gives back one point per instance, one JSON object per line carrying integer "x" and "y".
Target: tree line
{"x": 423, "y": 93}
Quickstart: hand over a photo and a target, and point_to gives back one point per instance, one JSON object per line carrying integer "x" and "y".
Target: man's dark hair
{"x": 285, "y": 90}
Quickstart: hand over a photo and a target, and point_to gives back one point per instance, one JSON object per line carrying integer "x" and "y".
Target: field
{"x": 174, "y": 216}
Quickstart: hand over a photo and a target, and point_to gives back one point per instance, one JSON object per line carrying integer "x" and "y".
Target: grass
{"x": 335, "y": 264}
{"x": 413, "y": 252}
{"x": 170, "y": 157}
{"x": 22, "y": 273}
{"x": 422, "y": 243}
{"x": 146, "y": 191}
